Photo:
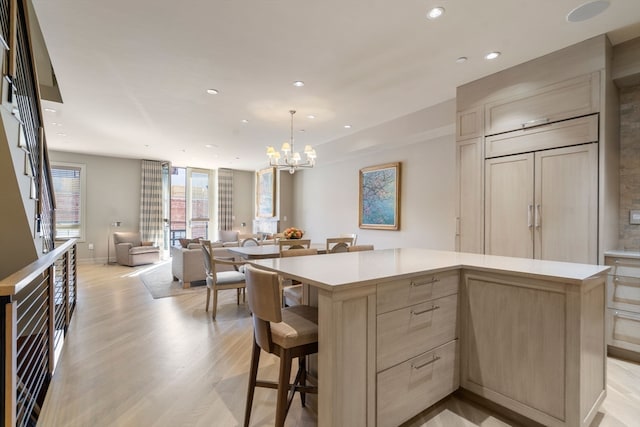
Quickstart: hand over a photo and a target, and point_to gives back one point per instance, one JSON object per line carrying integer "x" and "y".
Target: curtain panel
{"x": 225, "y": 199}
{"x": 151, "y": 221}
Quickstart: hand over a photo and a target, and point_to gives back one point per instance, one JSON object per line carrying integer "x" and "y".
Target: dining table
{"x": 267, "y": 251}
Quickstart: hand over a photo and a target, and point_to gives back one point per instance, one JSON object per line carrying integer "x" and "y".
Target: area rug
{"x": 160, "y": 284}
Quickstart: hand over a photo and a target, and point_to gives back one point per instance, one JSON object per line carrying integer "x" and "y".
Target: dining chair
{"x": 220, "y": 280}
{"x": 358, "y": 248}
{"x": 292, "y": 293}
{"x": 288, "y": 333}
{"x": 293, "y": 244}
{"x": 354, "y": 236}
{"x": 338, "y": 244}
{"x": 250, "y": 242}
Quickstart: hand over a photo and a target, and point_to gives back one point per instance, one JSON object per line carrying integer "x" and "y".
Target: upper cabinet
{"x": 546, "y": 106}
{"x": 564, "y": 100}
{"x": 469, "y": 123}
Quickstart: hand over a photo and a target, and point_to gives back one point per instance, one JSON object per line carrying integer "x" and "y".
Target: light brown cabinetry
{"x": 623, "y": 303}
{"x": 469, "y": 123}
{"x": 534, "y": 346}
{"x": 563, "y": 100}
{"x": 543, "y": 204}
{"x": 416, "y": 338}
{"x": 405, "y": 389}
{"x": 524, "y": 326}
{"x": 469, "y": 216}
{"x": 562, "y": 134}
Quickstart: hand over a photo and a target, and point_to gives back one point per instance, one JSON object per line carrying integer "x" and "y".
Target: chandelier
{"x": 290, "y": 158}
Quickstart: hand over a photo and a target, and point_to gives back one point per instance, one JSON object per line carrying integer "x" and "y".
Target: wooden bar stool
{"x": 288, "y": 333}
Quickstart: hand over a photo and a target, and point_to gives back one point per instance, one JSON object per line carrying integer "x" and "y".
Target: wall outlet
{"x": 90, "y": 246}
{"x": 634, "y": 217}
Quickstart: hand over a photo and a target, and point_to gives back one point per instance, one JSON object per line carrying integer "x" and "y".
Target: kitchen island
{"x": 400, "y": 329}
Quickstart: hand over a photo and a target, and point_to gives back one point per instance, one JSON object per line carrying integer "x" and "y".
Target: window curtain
{"x": 225, "y": 199}
{"x": 151, "y": 223}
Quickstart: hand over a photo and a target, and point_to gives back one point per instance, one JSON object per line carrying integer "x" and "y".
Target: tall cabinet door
{"x": 566, "y": 197}
{"x": 509, "y": 206}
{"x": 470, "y": 207}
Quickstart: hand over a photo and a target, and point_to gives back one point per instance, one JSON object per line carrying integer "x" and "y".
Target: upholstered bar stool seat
{"x": 299, "y": 326}
{"x": 288, "y": 333}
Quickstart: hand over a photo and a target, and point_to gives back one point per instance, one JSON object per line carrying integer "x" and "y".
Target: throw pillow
{"x": 185, "y": 242}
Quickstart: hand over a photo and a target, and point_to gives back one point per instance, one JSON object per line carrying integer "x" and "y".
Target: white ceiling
{"x": 133, "y": 73}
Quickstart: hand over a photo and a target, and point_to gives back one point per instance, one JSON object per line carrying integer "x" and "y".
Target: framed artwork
{"x": 380, "y": 197}
{"x": 266, "y": 193}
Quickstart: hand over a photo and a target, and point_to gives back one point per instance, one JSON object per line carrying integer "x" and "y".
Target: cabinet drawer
{"x": 623, "y": 329}
{"x": 623, "y": 293}
{"x": 627, "y": 267}
{"x": 563, "y": 134}
{"x": 403, "y": 293}
{"x": 405, "y": 333}
{"x": 570, "y": 98}
{"x": 407, "y": 389}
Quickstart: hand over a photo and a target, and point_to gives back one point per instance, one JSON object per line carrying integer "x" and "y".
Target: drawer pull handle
{"x": 435, "y": 359}
{"x": 622, "y": 316}
{"x": 629, "y": 282}
{"x": 428, "y": 282}
{"x": 535, "y": 122}
{"x": 417, "y": 313}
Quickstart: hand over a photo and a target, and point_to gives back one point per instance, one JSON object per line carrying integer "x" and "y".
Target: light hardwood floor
{"x": 130, "y": 360}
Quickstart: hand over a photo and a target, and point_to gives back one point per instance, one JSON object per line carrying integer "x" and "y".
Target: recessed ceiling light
{"x": 298, "y": 83}
{"x": 244, "y": 121}
{"x": 435, "y": 13}
{"x": 209, "y": 146}
{"x": 311, "y": 116}
{"x": 492, "y": 55}
{"x": 347, "y": 126}
{"x": 50, "y": 110}
{"x": 61, "y": 134}
{"x": 302, "y": 131}
{"x": 461, "y": 59}
{"x": 587, "y": 10}
{"x": 213, "y": 91}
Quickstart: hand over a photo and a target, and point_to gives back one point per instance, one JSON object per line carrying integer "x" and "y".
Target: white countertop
{"x": 367, "y": 267}
{"x": 621, "y": 253}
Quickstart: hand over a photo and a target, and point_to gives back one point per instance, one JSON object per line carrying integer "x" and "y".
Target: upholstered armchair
{"x": 132, "y": 251}
{"x": 229, "y": 237}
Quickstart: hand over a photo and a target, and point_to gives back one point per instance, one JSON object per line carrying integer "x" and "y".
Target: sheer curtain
{"x": 151, "y": 221}
{"x": 225, "y": 199}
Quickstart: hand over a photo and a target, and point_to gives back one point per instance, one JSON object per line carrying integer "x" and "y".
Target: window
{"x": 191, "y": 203}
{"x": 69, "y": 189}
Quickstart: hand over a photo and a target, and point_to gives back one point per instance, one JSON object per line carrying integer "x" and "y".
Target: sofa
{"x": 132, "y": 251}
{"x": 187, "y": 264}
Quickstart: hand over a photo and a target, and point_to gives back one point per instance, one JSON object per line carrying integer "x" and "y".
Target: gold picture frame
{"x": 379, "y": 197}
{"x": 266, "y": 193}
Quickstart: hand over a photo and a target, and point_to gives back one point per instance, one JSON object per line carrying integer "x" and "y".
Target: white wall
{"x": 113, "y": 193}
{"x": 325, "y": 198}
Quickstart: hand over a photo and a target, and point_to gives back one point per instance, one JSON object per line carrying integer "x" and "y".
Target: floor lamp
{"x": 115, "y": 224}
